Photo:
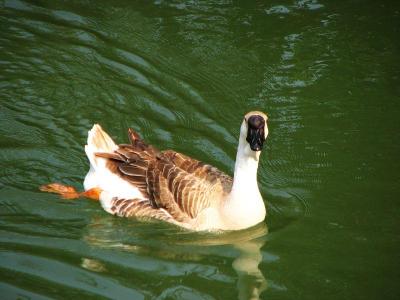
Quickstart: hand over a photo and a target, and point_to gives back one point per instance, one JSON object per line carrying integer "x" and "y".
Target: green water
{"x": 183, "y": 75}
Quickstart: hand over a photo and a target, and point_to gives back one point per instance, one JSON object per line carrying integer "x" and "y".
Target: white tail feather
{"x": 99, "y": 175}
{"x": 98, "y": 141}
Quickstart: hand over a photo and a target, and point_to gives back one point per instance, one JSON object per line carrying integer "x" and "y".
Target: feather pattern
{"x": 137, "y": 208}
{"x": 169, "y": 180}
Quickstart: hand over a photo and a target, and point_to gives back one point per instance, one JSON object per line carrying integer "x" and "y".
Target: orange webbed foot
{"x": 65, "y": 191}
{"x": 93, "y": 193}
{"x": 69, "y": 192}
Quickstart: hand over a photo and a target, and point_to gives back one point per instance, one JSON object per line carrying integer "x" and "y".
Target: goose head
{"x": 254, "y": 132}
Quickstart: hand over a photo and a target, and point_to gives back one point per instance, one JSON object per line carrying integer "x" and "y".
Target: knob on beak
{"x": 255, "y": 132}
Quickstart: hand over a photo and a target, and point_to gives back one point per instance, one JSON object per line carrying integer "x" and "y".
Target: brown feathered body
{"x": 165, "y": 185}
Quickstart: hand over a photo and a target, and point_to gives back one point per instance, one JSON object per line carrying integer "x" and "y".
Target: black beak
{"x": 255, "y": 132}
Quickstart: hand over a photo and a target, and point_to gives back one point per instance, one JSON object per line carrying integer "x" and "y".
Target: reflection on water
{"x": 251, "y": 281}
{"x": 93, "y": 265}
{"x": 180, "y": 245}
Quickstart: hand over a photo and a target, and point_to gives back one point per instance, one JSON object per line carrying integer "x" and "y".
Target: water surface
{"x": 183, "y": 75}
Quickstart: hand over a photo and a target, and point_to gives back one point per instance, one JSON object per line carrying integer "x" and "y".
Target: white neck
{"x": 245, "y": 175}
{"x": 244, "y": 206}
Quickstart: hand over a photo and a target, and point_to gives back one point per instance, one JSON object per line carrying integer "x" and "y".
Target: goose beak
{"x": 255, "y": 132}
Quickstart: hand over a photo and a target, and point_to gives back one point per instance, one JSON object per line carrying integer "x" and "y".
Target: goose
{"x": 137, "y": 180}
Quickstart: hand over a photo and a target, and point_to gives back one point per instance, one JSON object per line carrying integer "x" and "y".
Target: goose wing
{"x": 181, "y": 184}
{"x": 170, "y": 180}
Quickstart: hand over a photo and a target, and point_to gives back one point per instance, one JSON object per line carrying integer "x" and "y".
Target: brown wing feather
{"x": 185, "y": 185}
{"x": 170, "y": 180}
{"x": 199, "y": 169}
{"x": 159, "y": 189}
{"x": 131, "y": 161}
{"x": 114, "y": 156}
{"x": 138, "y": 208}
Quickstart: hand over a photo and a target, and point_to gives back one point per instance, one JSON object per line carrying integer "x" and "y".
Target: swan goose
{"x": 137, "y": 180}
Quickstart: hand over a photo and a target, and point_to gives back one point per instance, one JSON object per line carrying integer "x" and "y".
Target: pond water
{"x": 183, "y": 74}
